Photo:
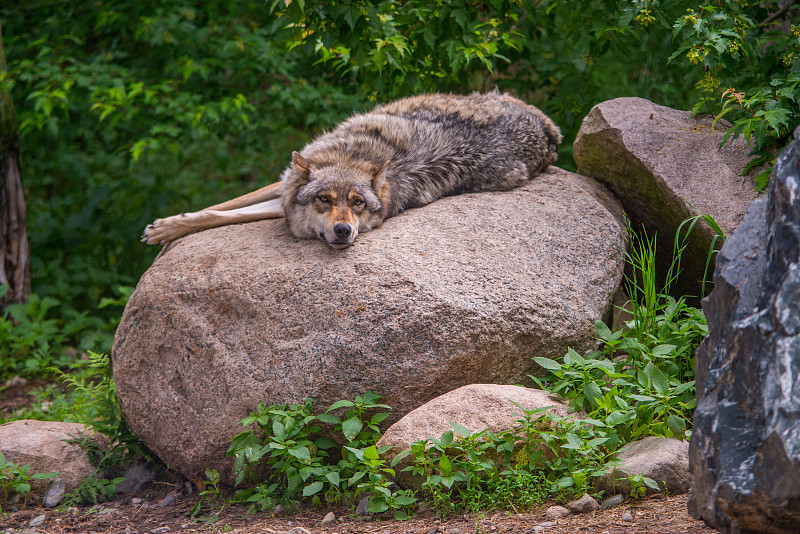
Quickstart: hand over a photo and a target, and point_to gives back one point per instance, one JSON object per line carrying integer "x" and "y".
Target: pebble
{"x": 585, "y": 504}
{"x": 556, "y": 512}
{"x": 106, "y": 511}
{"x": 299, "y": 530}
{"x": 136, "y": 501}
{"x": 329, "y": 520}
{"x": 547, "y": 524}
{"x": 36, "y": 521}
{"x": 627, "y": 516}
{"x": 614, "y": 500}
{"x": 159, "y": 530}
{"x": 54, "y": 493}
{"x": 166, "y": 501}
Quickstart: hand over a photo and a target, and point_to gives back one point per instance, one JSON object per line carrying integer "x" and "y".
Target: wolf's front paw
{"x": 162, "y": 231}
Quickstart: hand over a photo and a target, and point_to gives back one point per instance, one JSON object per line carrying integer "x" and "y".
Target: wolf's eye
{"x": 357, "y": 202}
{"x": 324, "y": 199}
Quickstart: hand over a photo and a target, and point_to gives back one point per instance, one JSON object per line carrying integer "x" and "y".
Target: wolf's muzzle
{"x": 342, "y": 230}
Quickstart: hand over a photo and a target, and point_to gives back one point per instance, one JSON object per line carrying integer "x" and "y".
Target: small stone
{"x": 627, "y": 516}
{"x": 166, "y": 501}
{"x": 556, "y": 512}
{"x": 278, "y": 510}
{"x": 614, "y": 500}
{"x": 583, "y": 505}
{"x": 106, "y": 511}
{"x": 136, "y": 501}
{"x": 72, "y": 511}
{"x": 547, "y": 524}
{"x": 538, "y": 529}
{"x": 363, "y": 504}
{"x": 328, "y": 520}
{"x": 36, "y": 521}
{"x": 159, "y": 530}
{"x": 54, "y": 493}
{"x": 299, "y": 530}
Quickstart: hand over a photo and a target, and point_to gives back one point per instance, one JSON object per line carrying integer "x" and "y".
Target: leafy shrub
{"x": 302, "y": 463}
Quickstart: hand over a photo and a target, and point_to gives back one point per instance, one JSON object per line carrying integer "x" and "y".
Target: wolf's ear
{"x": 301, "y": 162}
{"x": 380, "y": 185}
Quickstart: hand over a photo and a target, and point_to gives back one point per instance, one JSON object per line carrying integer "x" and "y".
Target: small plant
{"x": 374, "y": 478}
{"x": 93, "y": 490}
{"x": 287, "y": 442}
{"x": 639, "y": 485}
{"x": 16, "y": 480}
{"x": 96, "y": 405}
{"x": 210, "y": 493}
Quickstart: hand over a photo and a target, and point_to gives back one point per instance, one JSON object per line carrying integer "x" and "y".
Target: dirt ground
{"x": 138, "y": 514}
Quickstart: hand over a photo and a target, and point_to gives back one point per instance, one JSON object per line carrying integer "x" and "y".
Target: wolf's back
{"x": 441, "y": 145}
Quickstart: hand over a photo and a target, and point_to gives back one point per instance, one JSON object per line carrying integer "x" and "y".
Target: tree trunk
{"x": 15, "y": 261}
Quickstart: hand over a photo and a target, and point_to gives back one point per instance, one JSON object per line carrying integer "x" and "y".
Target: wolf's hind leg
{"x": 264, "y": 203}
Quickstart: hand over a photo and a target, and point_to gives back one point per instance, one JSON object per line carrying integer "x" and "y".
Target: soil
{"x": 140, "y": 514}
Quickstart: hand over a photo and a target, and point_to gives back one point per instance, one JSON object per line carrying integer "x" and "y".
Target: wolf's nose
{"x": 342, "y": 230}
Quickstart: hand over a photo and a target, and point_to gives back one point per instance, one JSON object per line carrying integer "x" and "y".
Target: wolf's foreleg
{"x": 264, "y": 203}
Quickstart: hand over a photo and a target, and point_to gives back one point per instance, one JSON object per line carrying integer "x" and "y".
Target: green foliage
{"x": 92, "y": 490}
{"x": 302, "y": 462}
{"x": 639, "y": 485}
{"x": 750, "y": 64}
{"x": 15, "y": 479}
{"x": 399, "y": 48}
{"x": 43, "y": 333}
{"x": 96, "y": 405}
{"x": 474, "y": 471}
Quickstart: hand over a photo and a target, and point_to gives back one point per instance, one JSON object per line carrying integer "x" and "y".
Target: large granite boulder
{"x": 744, "y": 454}
{"x": 465, "y": 290}
{"x": 666, "y": 166}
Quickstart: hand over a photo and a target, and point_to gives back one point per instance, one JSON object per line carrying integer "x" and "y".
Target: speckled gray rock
{"x": 585, "y": 504}
{"x": 475, "y": 407}
{"x": 665, "y": 460}
{"x": 41, "y": 445}
{"x": 665, "y": 166}
{"x": 462, "y": 291}
{"x": 745, "y": 444}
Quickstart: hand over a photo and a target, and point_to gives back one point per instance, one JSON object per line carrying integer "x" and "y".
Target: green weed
{"x": 16, "y": 480}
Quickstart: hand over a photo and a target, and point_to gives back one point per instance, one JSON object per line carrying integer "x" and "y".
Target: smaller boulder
{"x": 42, "y": 445}
{"x": 664, "y": 166}
{"x": 665, "y": 460}
{"x": 475, "y": 407}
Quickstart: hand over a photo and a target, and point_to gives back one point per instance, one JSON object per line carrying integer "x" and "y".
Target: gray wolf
{"x": 377, "y": 164}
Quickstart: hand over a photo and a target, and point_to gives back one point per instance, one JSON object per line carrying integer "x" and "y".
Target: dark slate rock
{"x": 745, "y": 450}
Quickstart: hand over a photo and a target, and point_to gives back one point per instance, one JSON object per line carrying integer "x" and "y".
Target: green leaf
{"x": 333, "y": 478}
{"x": 351, "y": 427}
{"x": 378, "y": 507}
{"x": 301, "y": 453}
{"x": 311, "y": 489}
{"x": 676, "y": 424}
{"x": 445, "y": 465}
{"x": 547, "y": 363}
{"x": 462, "y": 431}
{"x": 660, "y": 381}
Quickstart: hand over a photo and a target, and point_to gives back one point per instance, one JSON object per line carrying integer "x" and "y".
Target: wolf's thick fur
{"x": 399, "y": 156}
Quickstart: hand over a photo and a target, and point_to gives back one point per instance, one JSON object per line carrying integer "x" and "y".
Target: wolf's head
{"x": 335, "y": 202}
